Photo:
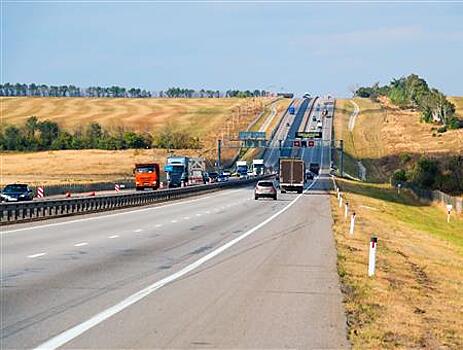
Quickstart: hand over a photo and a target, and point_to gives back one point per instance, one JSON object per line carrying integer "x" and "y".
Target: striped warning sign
{"x": 40, "y": 192}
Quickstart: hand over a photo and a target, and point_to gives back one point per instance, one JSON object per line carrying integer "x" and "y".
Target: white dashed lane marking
{"x": 36, "y": 255}
{"x": 138, "y": 230}
{"x": 186, "y": 218}
{"x": 80, "y": 244}
{"x": 173, "y": 221}
{"x": 113, "y": 236}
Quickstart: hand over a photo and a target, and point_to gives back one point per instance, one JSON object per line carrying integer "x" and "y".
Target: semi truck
{"x": 146, "y": 176}
{"x": 292, "y": 175}
{"x": 258, "y": 167}
{"x": 177, "y": 171}
{"x": 242, "y": 168}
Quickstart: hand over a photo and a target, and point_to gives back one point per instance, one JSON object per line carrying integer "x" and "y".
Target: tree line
{"x": 36, "y": 135}
{"x": 43, "y": 90}
{"x": 414, "y": 92}
{"x": 428, "y": 173}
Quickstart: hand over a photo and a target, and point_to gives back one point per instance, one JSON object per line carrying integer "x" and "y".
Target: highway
{"x": 219, "y": 270}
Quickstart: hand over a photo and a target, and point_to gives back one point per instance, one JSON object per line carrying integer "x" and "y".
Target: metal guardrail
{"x": 11, "y": 213}
{"x": 53, "y": 190}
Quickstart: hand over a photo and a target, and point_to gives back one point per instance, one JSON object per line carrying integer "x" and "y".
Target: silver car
{"x": 265, "y": 188}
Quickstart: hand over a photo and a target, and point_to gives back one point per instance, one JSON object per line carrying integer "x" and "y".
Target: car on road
{"x": 265, "y": 188}
{"x": 16, "y": 193}
{"x": 226, "y": 173}
{"x": 212, "y": 176}
{"x": 309, "y": 175}
{"x": 314, "y": 118}
{"x": 222, "y": 178}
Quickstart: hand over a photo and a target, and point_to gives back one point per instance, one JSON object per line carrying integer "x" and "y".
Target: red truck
{"x": 147, "y": 175}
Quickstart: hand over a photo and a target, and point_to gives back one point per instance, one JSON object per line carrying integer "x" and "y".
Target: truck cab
{"x": 242, "y": 168}
{"x": 177, "y": 171}
{"x": 146, "y": 176}
{"x": 258, "y": 167}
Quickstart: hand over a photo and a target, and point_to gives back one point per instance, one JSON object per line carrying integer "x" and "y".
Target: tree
{"x": 13, "y": 139}
{"x": 93, "y": 135}
{"x": 49, "y": 131}
{"x": 425, "y": 172}
{"x": 32, "y": 125}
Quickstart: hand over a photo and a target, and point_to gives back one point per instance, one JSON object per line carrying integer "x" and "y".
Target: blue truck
{"x": 177, "y": 171}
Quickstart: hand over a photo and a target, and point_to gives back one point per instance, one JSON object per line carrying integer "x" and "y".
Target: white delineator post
{"x": 352, "y": 224}
{"x": 346, "y": 210}
{"x": 449, "y": 210}
{"x": 40, "y": 192}
{"x": 372, "y": 256}
{"x": 398, "y": 189}
{"x": 340, "y": 202}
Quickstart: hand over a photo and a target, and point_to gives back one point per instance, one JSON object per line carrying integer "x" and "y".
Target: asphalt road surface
{"x": 220, "y": 270}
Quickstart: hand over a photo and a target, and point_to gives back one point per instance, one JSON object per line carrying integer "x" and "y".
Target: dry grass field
{"x": 205, "y": 118}
{"x": 202, "y": 117}
{"x": 415, "y": 301}
{"x": 383, "y": 132}
{"x": 82, "y": 166}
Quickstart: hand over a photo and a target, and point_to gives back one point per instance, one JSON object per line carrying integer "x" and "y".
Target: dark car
{"x": 265, "y": 188}
{"x": 222, "y": 178}
{"x": 16, "y": 193}
{"x": 212, "y": 176}
{"x": 309, "y": 175}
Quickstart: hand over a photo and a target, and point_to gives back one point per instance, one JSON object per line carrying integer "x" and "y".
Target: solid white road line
{"x": 116, "y": 214}
{"x": 81, "y": 328}
{"x": 80, "y": 244}
{"x": 113, "y": 236}
{"x": 36, "y": 255}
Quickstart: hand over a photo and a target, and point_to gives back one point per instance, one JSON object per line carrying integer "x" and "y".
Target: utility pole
{"x": 341, "y": 147}
{"x": 219, "y": 149}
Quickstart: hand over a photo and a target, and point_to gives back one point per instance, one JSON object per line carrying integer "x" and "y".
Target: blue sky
{"x": 297, "y": 47}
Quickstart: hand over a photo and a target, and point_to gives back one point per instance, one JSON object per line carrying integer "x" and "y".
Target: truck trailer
{"x": 197, "y": 171}
{"x": 292, "y": 175}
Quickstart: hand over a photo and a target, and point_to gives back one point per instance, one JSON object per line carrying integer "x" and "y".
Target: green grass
{"x": 416, "y": 215}
{"x": 415, "y": 298}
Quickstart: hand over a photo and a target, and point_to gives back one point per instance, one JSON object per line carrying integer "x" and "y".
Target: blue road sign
{"x": 251, "y": 135}
{"x": 292, "y": 110}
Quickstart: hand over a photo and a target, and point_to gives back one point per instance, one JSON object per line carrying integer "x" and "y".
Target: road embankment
{"x": 415, "y": 299}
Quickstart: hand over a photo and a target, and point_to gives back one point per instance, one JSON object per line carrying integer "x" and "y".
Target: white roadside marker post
{"x": 398, "y": 189}
{"x": 340, "y": 202}
{"x": 346, "y": 210}
{"x": 372, "y": 256}
{"x": 352, "y": 224}
{"x": 449, "y": 210}
{"x": 339, "y": 194}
